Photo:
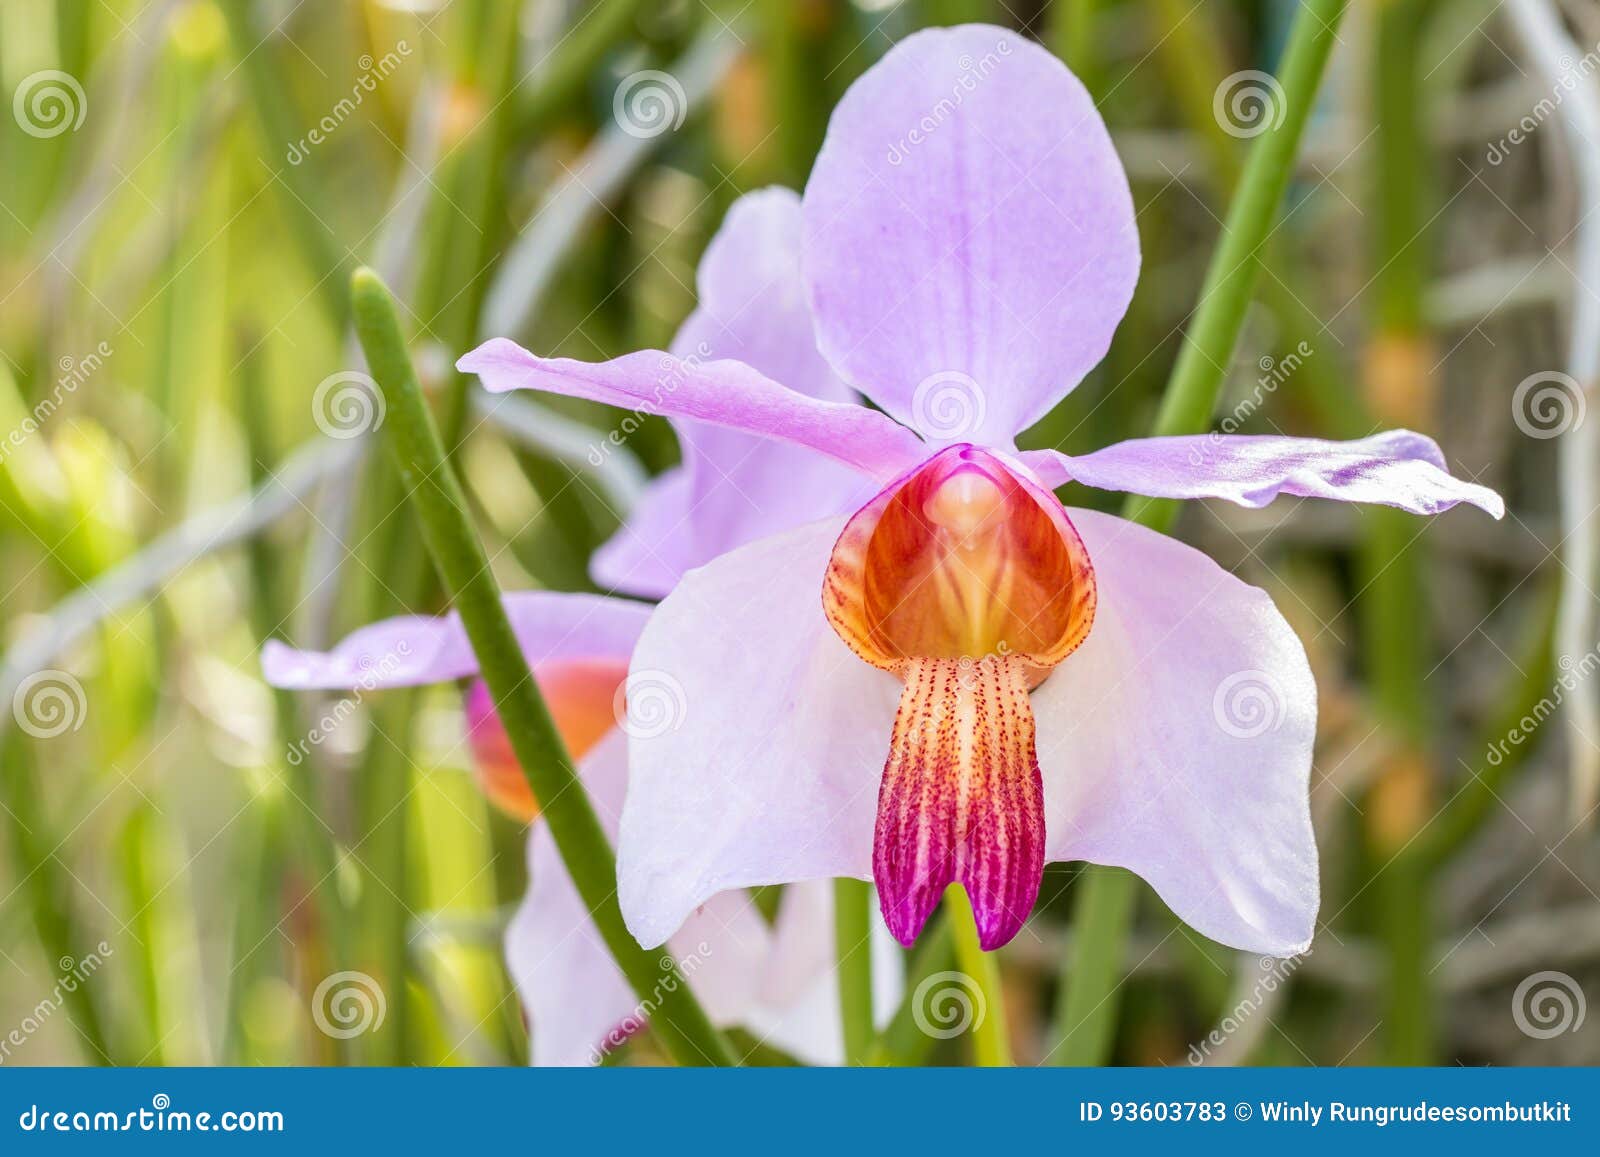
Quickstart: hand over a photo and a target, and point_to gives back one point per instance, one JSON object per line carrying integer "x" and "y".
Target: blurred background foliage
{"x": 172, "y": 301}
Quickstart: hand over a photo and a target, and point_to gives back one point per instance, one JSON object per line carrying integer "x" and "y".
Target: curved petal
{"x": 771, "y": 775}
{"x": 1176, "y": 741}
{"x": 735, "y": 487}
{"x": 726, "y": 393}
{"x": 779, "y": 982}
{"x": 415, "y": 649}
{"x": 970, "y": 243}
{"x": 1395, "y": 468}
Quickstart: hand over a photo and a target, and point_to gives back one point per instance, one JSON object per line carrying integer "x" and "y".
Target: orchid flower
{"x": 778, "y": 981}
{"x": 775, "y": 980}
{"x": 962, "y": 679}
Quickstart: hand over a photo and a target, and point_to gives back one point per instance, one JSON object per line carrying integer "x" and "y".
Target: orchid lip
{"x": 969, "y": 584}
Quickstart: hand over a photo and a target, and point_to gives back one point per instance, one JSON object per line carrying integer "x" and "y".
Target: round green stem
{"x": 991, "y": 1045}
{"x": 852, "y": 942}
{"x": 675, "y": 1016}
{"x": 1092, "y": 972}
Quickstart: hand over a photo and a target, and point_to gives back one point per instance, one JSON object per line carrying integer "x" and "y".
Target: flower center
{"x": 968, "y": 583}
{"x": 963, "y": 559}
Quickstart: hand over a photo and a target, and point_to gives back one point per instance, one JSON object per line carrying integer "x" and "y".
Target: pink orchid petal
{"x": 725, "y": 393}
{"x": 1395, "y": 468}
{"x": 416, "y": 649}
{"x": 970, "y": 243}
{"x": 778, "y": 982}
{"x": 1177, "y": 740}
{"x": 735, "y": 487}
{"x": 650, "y": 552}
{"x": 773, "y": 770}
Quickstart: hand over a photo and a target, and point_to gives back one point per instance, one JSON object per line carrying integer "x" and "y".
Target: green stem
{"x": 905, "y": 1041}
{"x": 48, "y": 890}
{"x": 1086, "y": 1018}
{"x": 1070, "y": 35}
{"x": 1534, "y": 678}
{"x": 440, "y": 507}
{"x": 1394, "y": 620}
{"x": 852, "y": 942}
{"x": 1092, "y": 971}
{"x": 991, "y": 1045}
{"x": 300, "y": 190}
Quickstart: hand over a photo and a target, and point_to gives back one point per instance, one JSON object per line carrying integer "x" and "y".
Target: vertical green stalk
{"x": 47, "y": 890}
{"x": 795, "y": 41}
{"x": 1395, "y": 618}
{"x": 991, "y": 1043}
{"x": 1070, "y": 35}
{"x": 1086, "y": 1017}
{"x": 852, "y": 943}
{"x": 675, "y": 1015}
{"x": 1104, "y": 910}
{"x": 905, "y": 1040}
{"x": 270, "y": 94}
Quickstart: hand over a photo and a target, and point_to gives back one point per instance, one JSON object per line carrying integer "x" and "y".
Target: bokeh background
{"x": 189, "y": 857}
